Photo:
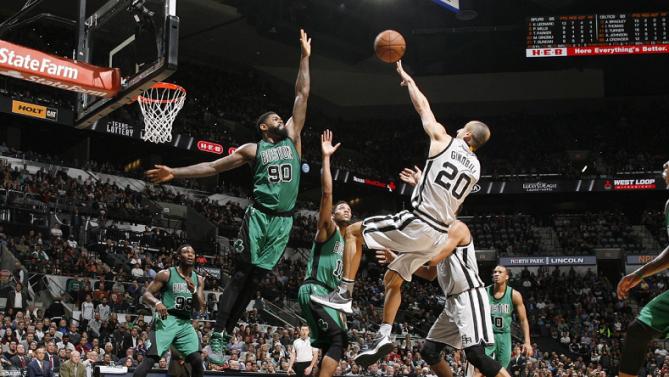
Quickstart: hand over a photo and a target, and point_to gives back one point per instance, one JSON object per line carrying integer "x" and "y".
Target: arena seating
{"x": 591, "y": 342}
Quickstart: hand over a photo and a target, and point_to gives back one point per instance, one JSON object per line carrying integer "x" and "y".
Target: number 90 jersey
{"x": 276, "y": 175}
{"x": 176, "y": 296}
{"x": 446, "y": 181}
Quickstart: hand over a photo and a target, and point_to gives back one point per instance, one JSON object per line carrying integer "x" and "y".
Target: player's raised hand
{"x": 305, "y": 42}
{"x": 160, "y": 174}
{"x": 406, "y": 79}
{"x": 385, "y": 256}
{"x": 626, "y": 283}
{"x": 326, "y": 144}
{"x": 411, "y": 176}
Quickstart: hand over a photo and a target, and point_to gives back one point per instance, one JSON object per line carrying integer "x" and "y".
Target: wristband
{"x": 159, "y": 302}
{"x": 638, "y": 274}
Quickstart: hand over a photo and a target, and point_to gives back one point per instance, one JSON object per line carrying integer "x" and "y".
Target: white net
{"x": 160, "y": 105}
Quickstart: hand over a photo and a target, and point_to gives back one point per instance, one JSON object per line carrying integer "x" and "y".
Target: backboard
{"x": 139, "y": 38}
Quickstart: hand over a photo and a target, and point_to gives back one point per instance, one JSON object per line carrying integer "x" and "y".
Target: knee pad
{"x": 431, "y": 352}
{"x": 195, "y": 361}
{"x": 477, "y": 357}
{"x": 336, "y": 349}
{"x": 636, "y": 344}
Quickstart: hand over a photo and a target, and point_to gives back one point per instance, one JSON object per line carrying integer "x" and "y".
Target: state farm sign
{"x": 35, "y": 66}
{"x": 208, "y": 146}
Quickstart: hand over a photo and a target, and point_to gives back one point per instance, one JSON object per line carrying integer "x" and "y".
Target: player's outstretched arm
{"x": 411, "y": 176}
{"x": 425, "y": 272}
{"x": 302, "y": 87}
{"x": 432, "y": 128}
{"x": 153, "y": 289}
{"x": 458, "y": 233}
{"x": 658, "y": 264}
{"x": 518, "y": 303}
{"x": 325, "y": 225}
{"x": 244, "y": 154}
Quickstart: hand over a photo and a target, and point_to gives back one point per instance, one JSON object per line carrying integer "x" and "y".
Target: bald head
{"x": 479, "y": 134}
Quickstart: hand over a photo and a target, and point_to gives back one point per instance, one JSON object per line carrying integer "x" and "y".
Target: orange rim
{"x": 163, "y": 85}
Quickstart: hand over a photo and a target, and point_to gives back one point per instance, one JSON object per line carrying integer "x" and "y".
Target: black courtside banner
{"x": 650, "y": 182}
{"x": 31, "y": 109}
{"x": 133, "y": 130}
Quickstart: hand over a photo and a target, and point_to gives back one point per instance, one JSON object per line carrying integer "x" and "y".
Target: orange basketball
{"x": 389, "y": 46}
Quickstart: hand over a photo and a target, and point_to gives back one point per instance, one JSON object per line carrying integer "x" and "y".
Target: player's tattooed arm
{"x": 244, "y": 154}
{"x": 200, "y": 294}
{"x": 629, "y": 281}
{"x": 153, "y": 289}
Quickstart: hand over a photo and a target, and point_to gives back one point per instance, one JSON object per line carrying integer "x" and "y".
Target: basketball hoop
{"x": 160, "y": 105}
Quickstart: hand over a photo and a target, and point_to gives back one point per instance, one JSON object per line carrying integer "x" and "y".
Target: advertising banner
{"x": 38, "y": 67}
{"x": 638, "y": 259}
{"x": 588, "y": 260}
{"x": 27, "y": 108}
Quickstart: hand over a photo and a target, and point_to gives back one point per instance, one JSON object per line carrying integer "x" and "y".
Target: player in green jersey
{"x": 275, "y": 162}
{"x": 503, "y": 299}
{"x": 324, "y": 269}
{"x": 181, "y": 289}
{"x": 653, "y": 320}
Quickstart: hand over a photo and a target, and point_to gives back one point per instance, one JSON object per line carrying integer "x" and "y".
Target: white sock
{"x": 346, "y": 286}
{"x": 385, "y": 329}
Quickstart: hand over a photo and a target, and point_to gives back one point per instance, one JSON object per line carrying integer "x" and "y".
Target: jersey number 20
{"x": 446, "y": 176}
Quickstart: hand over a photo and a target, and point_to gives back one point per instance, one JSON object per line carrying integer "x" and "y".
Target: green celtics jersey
{"x": 325, "y": 264}
{"x": 276, "y": 175}
{"x": 177, "y": 298}
{"x": 501, "y": 310}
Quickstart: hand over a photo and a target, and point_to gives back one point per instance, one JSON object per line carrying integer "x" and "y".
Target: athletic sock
{"x": 346, "y": 286}
{"x": 385, "y": 329}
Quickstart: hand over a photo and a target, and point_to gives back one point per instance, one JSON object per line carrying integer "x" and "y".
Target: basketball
{"x": 389, "y": 46}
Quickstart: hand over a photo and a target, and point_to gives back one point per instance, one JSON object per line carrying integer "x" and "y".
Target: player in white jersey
{"x": 450, "y": 173}
{"x": 465, "y": 322}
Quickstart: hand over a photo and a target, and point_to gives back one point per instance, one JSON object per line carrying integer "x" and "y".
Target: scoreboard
{"x": 598, "y": 34}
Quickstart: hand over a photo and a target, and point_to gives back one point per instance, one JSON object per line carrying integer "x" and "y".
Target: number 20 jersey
{"x": 447, "y": 179}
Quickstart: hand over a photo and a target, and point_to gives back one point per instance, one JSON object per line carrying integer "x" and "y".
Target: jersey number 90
{"x": 280, "y": 173}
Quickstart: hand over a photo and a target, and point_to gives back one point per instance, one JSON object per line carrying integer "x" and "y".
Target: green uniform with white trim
{"x": 501, "y": 312}
{"x": 176, "y": 329}
{"x": 268, "y": 222}
{"x": 656, "y": 313}
{"x": 324, "y": 271}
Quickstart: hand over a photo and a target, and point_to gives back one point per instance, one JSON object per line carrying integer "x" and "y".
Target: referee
{"x": 303, "y": 357}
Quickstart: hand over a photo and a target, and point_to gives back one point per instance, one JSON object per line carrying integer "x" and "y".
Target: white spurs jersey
{"x": 446, "y": 181}
{"x": 459, "y": 272}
